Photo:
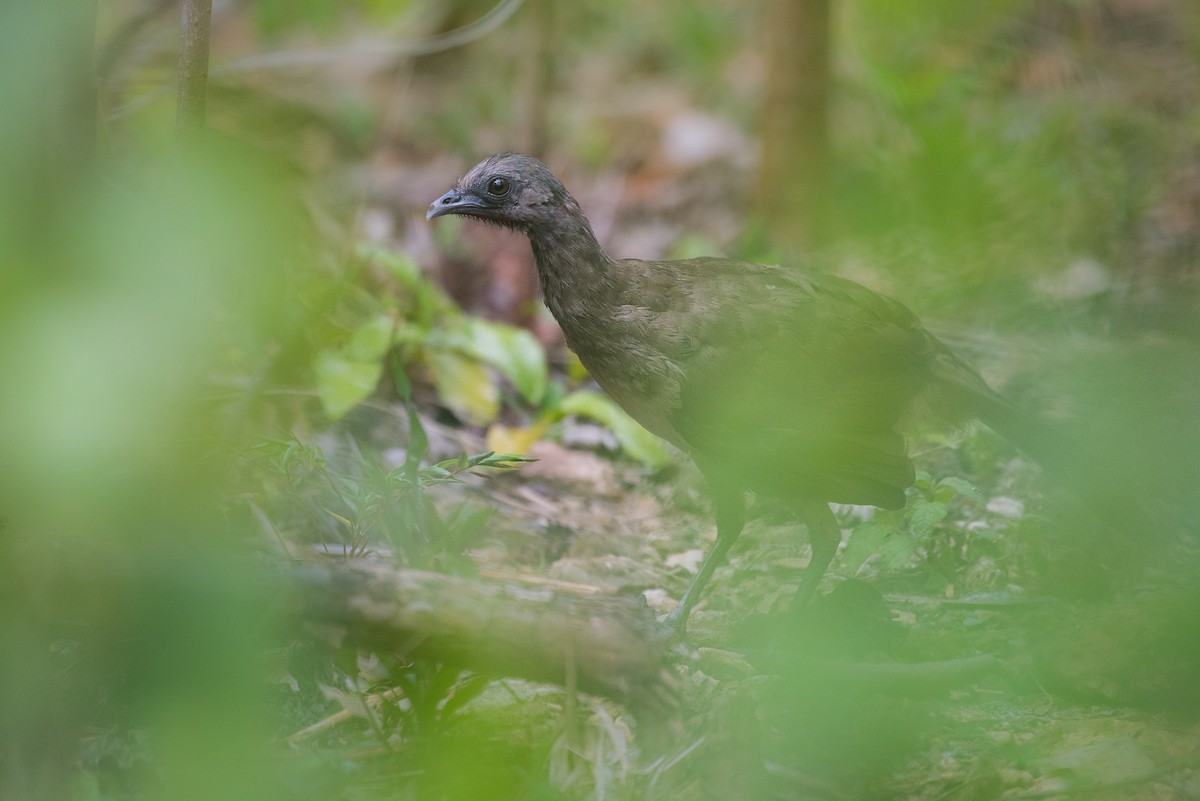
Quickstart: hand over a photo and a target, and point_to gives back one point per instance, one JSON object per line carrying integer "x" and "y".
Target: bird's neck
{"x": 574, "y": 272}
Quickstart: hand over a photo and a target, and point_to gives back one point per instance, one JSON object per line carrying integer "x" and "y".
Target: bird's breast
{"x": 639, "y": 375}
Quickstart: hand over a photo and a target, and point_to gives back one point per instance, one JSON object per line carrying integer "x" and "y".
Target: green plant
{"x": 411, "y": 317}
{"x": 350, "y": 502}
{"x": 924, "y": 525}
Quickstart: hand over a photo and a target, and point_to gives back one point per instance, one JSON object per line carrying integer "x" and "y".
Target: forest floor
{"x": 934, "y": 664}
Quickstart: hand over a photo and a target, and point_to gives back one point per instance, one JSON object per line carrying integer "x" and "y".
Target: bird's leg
{"x": 730, "y": 508}
{"x": 824, "y": 535}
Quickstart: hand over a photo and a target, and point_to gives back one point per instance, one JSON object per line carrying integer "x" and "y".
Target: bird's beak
{"x": 453, "y": 202}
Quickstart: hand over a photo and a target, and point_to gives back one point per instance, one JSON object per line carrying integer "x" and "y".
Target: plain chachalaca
{"x": 779, "y": 381}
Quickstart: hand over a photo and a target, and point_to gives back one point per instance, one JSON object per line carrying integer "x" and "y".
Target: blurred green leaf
{"x": 400, "y": 378}
{"x": 866, "y": 540}
{"x": 896, "y": 551}
{"x": 959, "y": 486}
{"x": 418, "y": 442}
{"x": 371, "y": 341}
{"x": 464, "y": 385}
{"x": 426, "y": 304}
{"x": 636, "y": 441}
{"x": 513, "y": 351}
{"x": 342, "y": 382}
{"x": 923, "y": 516}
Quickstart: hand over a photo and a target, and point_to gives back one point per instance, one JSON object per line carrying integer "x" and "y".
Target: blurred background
{"x": 232, "y": 350}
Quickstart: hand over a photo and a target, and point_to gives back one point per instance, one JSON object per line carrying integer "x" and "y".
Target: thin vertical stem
{"x": 193, "y": 65}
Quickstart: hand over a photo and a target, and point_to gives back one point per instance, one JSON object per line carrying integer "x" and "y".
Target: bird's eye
{"x": 498, "y": 187}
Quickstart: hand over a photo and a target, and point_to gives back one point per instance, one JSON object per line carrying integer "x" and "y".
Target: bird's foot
{"x": 674, "y": 625}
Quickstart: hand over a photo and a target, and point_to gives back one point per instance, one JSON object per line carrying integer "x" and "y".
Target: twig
{"x": 343, "y": 715}
{"x": 539, "y": 581}
{"x": 377, "y": 51}
{"x": 193, "y": 65}
{"x": 269, "y": 528}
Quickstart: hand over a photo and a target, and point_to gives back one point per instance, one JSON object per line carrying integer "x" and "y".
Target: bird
{"x": 783, "y": 381}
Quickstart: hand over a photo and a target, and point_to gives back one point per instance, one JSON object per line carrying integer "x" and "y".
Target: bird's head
{"x": 511, "y": 190}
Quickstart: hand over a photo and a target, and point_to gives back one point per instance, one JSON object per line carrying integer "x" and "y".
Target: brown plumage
{"x": 774, "y": 380}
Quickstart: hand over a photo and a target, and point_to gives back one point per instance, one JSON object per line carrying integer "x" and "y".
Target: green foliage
{"x": 168, "y": 312}
{"x": 352, "y": 499}
{"x": 929, "y": 524}
{"x": 342, "y": 383}
{"x": 699, "y": 43}
{"x": 424, "y": 331}
{"x": 1011, "y": 144}
{"x": 639, "y": 443}
{"x": 430, "y": 332}
{"x": 512, "y": 351}
{"x": 132, "y": 291}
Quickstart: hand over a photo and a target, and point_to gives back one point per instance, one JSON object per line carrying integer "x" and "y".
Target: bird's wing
{"x": 794, "y": 382}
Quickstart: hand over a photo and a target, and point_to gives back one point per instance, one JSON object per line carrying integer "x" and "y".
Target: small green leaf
{"x": 504, "y": 459}
{"x": 400, "y": 378}
{"x": 418, "y": 442}
{"x": 464, "y": 385}
{"x": 896, "y": 552}
{"x": 962, "y": 487}
{"x": 866, "y": 540}
{"x": 923, "y": 516}
{"x": 399, "y": 264}
{"x": 636, "y": 441}
{"x": 371, "y": 341}
{"x": 513, "y": 351}
{"x": 342, "y": 383}
{"x": 426, "y": 301}
{"x": 410, "y": 333}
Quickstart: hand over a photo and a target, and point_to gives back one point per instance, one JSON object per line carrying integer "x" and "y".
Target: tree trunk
{"x": 793, "y": 170}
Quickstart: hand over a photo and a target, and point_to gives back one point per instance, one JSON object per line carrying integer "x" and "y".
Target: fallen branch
{"x": 606, "y": 646}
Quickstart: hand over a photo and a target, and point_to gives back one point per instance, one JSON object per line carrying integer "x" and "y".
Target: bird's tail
{"x": 962, "y": 393}
{"x": 1088, "y": 471}
{"x": 1048, "y": 445}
